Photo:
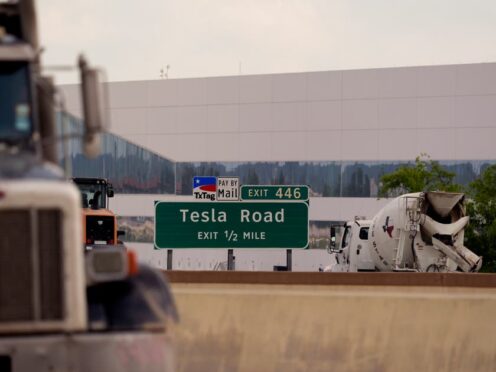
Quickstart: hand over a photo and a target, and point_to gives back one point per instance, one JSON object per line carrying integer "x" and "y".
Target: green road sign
{"x": 274, "y": 192}
{"x": 231, "y": 225}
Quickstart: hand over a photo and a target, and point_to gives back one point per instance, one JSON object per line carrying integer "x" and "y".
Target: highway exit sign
{"x": 271, "y": 192}
{"x": 231, "y": 225}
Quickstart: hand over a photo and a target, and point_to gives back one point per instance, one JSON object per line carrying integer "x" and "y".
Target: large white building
{"x": 336, "y": 131}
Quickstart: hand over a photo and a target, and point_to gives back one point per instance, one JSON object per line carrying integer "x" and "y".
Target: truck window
{"x": 93, "y": 195}
{"x": 364, "y": 233}
{"x": 15, "y": 103}
{"x": 346, "y": 237}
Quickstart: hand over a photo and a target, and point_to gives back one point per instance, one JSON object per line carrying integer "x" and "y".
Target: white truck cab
{"x": 350, "y": 253}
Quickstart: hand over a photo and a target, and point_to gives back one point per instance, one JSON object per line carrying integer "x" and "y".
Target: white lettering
{"x": 245, "y": 215}
{"x": 254, "y": 235}
{"x": 207, "y": 235}
{"x": 205, "y": 216}
{"x": 280, "y": 215}
{"x": 267, "y": 217}
{"x": 184, "y": 211}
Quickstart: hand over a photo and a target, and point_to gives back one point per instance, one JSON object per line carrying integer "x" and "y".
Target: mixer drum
{"x": 404, "y": 232}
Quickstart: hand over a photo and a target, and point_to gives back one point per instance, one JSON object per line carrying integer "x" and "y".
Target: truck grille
{"x": 100, "y": 228}
{"x": 31, "y": 265}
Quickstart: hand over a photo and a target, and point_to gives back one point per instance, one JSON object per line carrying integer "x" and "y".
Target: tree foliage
{"x": 429, "y": 175}
{"x": 480, "y": 236}
{"x": 424, "y": 175}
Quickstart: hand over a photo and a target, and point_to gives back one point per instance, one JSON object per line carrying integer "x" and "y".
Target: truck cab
{"x": 99, "y": 222}
{"x": 349, "y": 247}
{"x": 16, "y": 109}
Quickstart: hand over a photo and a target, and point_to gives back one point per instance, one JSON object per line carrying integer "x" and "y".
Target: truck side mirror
{"x": 110, "y": 191}
{"x": 333, "y": 246}
{"x": 93, "y": 107}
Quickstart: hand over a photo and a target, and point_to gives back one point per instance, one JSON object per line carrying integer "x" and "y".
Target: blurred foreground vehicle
{"x": 63, "y": 307}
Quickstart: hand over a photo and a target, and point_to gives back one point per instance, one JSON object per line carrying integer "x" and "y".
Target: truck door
{"x": 363, "y": 259}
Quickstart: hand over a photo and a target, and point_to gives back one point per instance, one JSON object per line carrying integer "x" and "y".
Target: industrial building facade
{"x": 336, "y": 131}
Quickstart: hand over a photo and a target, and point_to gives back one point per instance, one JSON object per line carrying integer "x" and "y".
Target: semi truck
{"x": 419, "y": 232}
{"x": 63, "y": 308}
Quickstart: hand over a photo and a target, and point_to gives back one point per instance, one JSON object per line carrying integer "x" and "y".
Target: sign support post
{"x": 289, "y": 259}
{"x": 169, "y": 259}
{"x": 230, "y": 259}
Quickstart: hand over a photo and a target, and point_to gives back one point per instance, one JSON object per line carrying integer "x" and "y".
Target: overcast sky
{"x": 133, "y": 40}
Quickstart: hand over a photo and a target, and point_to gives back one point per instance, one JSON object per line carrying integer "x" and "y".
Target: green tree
{"x": 425, "y": 175}
{"x": 480, "y": 236}
{"x": 429, "y": 175}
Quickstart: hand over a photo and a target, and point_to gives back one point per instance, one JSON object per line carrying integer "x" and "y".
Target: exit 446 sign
{"x": 231, "y": 225}
{"x": 271, "y": 192}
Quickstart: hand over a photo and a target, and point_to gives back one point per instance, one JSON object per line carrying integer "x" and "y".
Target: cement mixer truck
{"x": 419, "y": 232}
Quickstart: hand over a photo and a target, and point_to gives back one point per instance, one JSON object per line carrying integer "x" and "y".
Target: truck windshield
{"x": 93, "y": 195}
{"x": 15, "y": 102}
{"x": 346, "y": 236}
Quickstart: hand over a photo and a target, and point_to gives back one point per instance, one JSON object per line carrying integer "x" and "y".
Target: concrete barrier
{"x": 260, "y": 327}
{"x": 318, "y": 278}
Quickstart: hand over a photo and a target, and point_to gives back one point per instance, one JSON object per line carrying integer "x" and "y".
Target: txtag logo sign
{"x": 205, "y": 187}
{"x": 216, "y": 188}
